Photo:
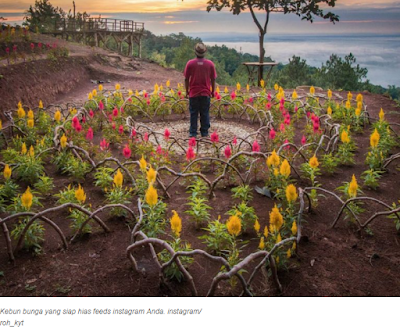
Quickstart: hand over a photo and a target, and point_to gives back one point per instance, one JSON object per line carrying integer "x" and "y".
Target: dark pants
{"x": 199, "y": 105}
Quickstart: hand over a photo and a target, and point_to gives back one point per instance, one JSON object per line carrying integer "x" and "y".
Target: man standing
{"x": 200, "y": 78}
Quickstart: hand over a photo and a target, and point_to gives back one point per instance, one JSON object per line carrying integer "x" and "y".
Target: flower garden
{"x": 71, "y": 172}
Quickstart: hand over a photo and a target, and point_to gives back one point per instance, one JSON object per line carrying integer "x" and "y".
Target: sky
{"x": 191, "y": 17}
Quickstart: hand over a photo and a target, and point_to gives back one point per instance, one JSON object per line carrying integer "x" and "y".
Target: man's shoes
{"x": 191, "y": 136}
{"x": 205, "y": 136}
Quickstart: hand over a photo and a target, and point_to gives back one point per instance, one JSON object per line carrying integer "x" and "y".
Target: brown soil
{"x": 329, "y": 262}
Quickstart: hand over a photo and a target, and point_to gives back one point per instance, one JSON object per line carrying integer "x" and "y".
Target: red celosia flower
{"x": 269, "y": 97}
{"x": 282, "y": 101}
{"x": 115, "y": 112}
{"x": 89, "y": 134}
{"x": 256, "y": 147}
{"x": 214, "y": 137}
{"x": 75, "y": 121}
{"x": 121, "y": 129}
{"x": 113, "y": 126}
{"x": 228, "y": 151}
{"x": 192, "y": 142}
{"x": 218, "y": 97}
{"x": 287, "y": 119}
{"x": 190, "y": 155}
{"x": 104, "y": 145}
{"x": 127, "y": 151}
{"x": 282, "y": 127}
{"x": 78, "y": 127}
{"x": 159, "y": 150}
{"x": 303, "y": 140}
{"x": 251, "y": 100}
{"x": 121, "y": 109}
{"x": 83, "y": 119}
{"x": 167, "y": 133}
{"x": 179, "y": 93}
{"x": 133, "y": 132}
{"x": 101, "y": 106}
{"x": 91, "y": 113}
{"x": 272, "y": 133}
{"x": 146, "y": 137}
{"x": 268, "y": 106}
{"x": 148, "y": 102}
{"x": 8, "y": 50}
{"x": 234, "y": 142}
{"x": 40, "y": 45}
{"x": 146, "y": 95}
{"x": 233, "y": 95}
{"x": 32, "y": 45}
{"x": 296, "y": 108}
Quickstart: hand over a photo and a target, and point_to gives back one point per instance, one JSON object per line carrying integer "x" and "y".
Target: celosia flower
{"x": 192, "y": 142}
{"x": 381, "y": 115}
{"x": 291, "y": 193}
{"x": 159, "y": 150}
{"x": 234, "y": 142}
{"x": 238, "y": 86}
{"x": 273, "y": 159}
{"x": 303, "y": 140}
{"x": 255, "y": 147}
{"x": 176, "y": 223}
{"x": 374, "y": 139}
{"x": 294, "y": 94}
{"x": 75, "y": 122}
{"x": 268, "y": 106}
{"x": 190, "y": 155}
{"x": 167, "y": 134}
{"x": 21, "y": 113}
{"x": 275, "y": 220}
{"x": 91, "y": 113}
{"x": 294, "y": 228}
{"x": 313, "y": 162}
{"x": 312, "y": 90}
{"x": 80, "y": 194}
{"x": 78, "y": 128}
{"x": 266, "y": 232}
{"x": 7, "y": 171}
{"x": 214, "y": 137}
{"x": 257, "y": 226}
{"x": 359, "y": 98}
{"x": 134, "y": 133}
{"x": 234, "y": 225}
{"x": 31, "y": 123}
{"x": 100, "y": 87}
{"x": 288, "y": 253}
{"x": 151, "y": 196}
{"x": 227, "y": 152}
{"x": 113, "y": 126}
{"x": 276, "y": 86}
{"x": 151, "y": 175}
{"x": 285, "y": 169}
{"x": 31, "y": 151}
{"x": 329, "y": 110}
{"x": 57, "y": 116}
{"x": 353, "y": 186}
{"x": 90, "y": 96}
{"x": 344, "y": 137}
{"x": 127, "y": 151}
{"x": 117, "y": 86}
{"x": 115, "y": 112}
{"x": 278, "y": 238}
{"x": 40, "y": 104}
{"x": 272, "y": 133}
{"x": 233, "y": 95}
{"x": 26, "y": 199}
{"x": 89, "y": 134}
{"x": 146, "y": 136}
{"x": 261, "y": 245}
{"x": 101, "y": 106}
{"x": 23, "y": 148}
{"x": 329, "y": 93}
{"x": 104, "y": 145}
{"x": 63, "y": 141}
{"x": 142, "y": 163}
{"x": 118, "y": 178}
{"x": 121, "y": 129}
{"x": 30, "y": 114}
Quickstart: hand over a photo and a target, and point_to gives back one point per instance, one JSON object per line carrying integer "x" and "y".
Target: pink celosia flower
{"x": 303, "y": 140}
{"x": 104, "y": 145}
{"x": 115, "y": 112}
{"x": 91, "y": 113}
{"x": 133, "y": 134}
{"x": 127, "y": 151}
{"x": 192, "y": 142}
{"x": 268, "y": 106}
{"x": 159, "y": 150}
{"x": 287, "y": 119}
{"x": 121, "y": 129}
{"x": 83, "y": 119}
{"x": 269, "y": 97}
{"x": 75, "y": 121}
{"x": 296, "y": 108}
{"x": 256, "y": 147}
{"x": 146, "y": 95}
{"x": 282, "y": 127}
{"x": 148, "y": 102}
{"x": 78, "y": 128}
{"x": 272, "y": 134}
{"x": 101, "y": 106}
{"x": 167, "y": 133}
{"x": 190, "y": 155}
{"x": 146, "y": 137}
{"x": 227, "y": 152}
{"x": 122, "y": 109}
{"x": 113, "y": 126}
{"x": 233, "y": 95}
{"x": 234, "y": 142}
{"x": 251, "y": 100}
{"x": 214, "y": 137}
{"x": 89, "y": 134}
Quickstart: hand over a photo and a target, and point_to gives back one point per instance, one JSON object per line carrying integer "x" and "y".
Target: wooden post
{"x": 96, "y": 39}
{"x": 140, "y": 47}
{"x": 131, "y": 46}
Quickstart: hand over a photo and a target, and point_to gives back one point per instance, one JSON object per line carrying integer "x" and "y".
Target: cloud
{"x": 179, "y": 22}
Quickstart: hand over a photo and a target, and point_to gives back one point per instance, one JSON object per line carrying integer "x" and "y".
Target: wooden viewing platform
{"x": 98, "y": 31}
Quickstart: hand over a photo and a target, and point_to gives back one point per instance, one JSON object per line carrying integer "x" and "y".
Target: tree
{"x": 306, "y": 9}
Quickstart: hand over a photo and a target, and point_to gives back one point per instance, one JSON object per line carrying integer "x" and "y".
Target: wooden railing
{"x": 98, "y": 24}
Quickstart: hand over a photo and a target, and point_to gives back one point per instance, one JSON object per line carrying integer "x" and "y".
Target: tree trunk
{"x": 262, "y": 54}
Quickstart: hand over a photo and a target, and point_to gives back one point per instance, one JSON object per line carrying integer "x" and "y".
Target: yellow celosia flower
{"x": 353, "y": 186}
{"x": 261, "y": 245}
{"x": 273, "y": 159}
{"x": 234, "y": 225}
{"x": 142, "y": 163}
{"x": 247, "y": 87}
{"x": 100, "y": 87}
{"x": 130, "y": 92}
{"x": 26, "y": 199}
{"x": 275, "y": 220}
{"x": 344, "y": 137}
{"x": 291, "y": 193}
{"x": 31, "y": 151}
{"x": 381, "y": 115}
{"x": 176, "y": 223}
{"x": 348, "y": 105}
{"x": 276, "y": 86}
{"x": 57, "y": 116}
{"x": 7, "y": 171}
{"x": 294, "y": 94}
{"x": 288, "y": 253}
{"x": 151, "y": 196}
{"x": 90, "y": 96}
{"x": 80, "y": 194}
{"x": 117, "y": 86}
{"x": 294, "y": 245}
{"x": 349, "y": 96}
{"x": 285, "y": 168}
{"x": 266, "y": 232}
{"x": 238, "y": 86}
{"x": 21, "y": 113}
{"x": 294, "y": 228}
{"x": 374, "y": 140}
{"x": 151, "y": 175}
{"x": 359, "y": 98}
{"x": 312, "y": 90}
{"x": 313, "y": 162}
{"x": 94, "y": 92}
{"x": 31, "y": 123}
{"x": 30, "y": 114}
{"x": 329, "y": 110}
{"x": 257, "y": 226}
{"x": 226, "y": 90}
{"x": 63, "y": 141}
{"x": 278, "y": 238}
{"x": 1, "y": 125}
{"x": 329, "y": 93}
{"x": 118, "y": 178}
{"x": 23, "y": 148}
{"x": 276, "y": 172}
{"x": 156, "y": 88}
{"x": 217, "y": 90}
{"x": 168, "y": 83}
{"x": 358, "y": 112}
{"x": 40, "y": 104}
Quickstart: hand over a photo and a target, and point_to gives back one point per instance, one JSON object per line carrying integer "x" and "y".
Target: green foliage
{"x": 218, "y": 240}
{"x": 120, "y": 195}
{"x": 154, "y": 219}
{"x": 29, "y": 168}
{"x": 58, "y": 52}
{"x": 34, "y": 236}
{"x": 243, "y": 193}
{"x": 329, "y": 163}
{"x": 43, "y": 16}
{"x": 246, "y": 214}
{"x": 103, "y": 177}
{"x": 44, "y": 185}
{"x": 371, "y": 178}
{"x": 198, "y": 211}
